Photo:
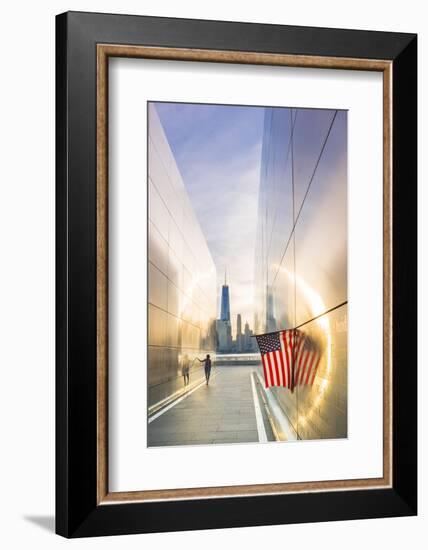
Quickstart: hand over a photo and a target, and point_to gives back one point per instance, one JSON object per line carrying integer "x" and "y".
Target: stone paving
{"x": 222, "y": 412}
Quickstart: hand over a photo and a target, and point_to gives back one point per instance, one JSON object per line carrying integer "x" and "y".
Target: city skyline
{"x": 230, "y": 336}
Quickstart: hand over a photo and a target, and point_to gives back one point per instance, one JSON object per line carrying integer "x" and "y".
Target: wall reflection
{"x": 301, "y": 268}
{"x": 181, "y": 275}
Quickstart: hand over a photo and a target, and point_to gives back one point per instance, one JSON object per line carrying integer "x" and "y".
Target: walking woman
{"x": 207, "y": 362}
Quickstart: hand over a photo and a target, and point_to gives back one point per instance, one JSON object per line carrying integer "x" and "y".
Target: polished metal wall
{"x": 181, "y": 274}
{"x": 301, "y": 256}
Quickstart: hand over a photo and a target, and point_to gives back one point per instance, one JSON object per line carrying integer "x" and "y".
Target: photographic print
{"x": 247, "y": 274}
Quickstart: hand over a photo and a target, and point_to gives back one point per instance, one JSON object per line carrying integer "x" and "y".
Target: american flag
{"x": 290, "y": 358}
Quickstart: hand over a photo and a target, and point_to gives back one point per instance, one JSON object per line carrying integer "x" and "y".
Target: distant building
{"x": 225, "y": 302}
{"x": 247, "y": 335}
{"x": 239, "y": 324}
{"x": 248, "y": 340}
{"x": 239, "y": 336}
{"x": 223, "y": 325}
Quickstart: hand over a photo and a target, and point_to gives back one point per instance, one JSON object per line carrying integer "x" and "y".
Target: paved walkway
{"x": 222, "y": 412}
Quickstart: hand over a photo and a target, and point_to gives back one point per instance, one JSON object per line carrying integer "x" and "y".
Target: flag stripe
{"x": 266, "y": 367}
{"x": 291, "y": 351}
{"x": 313, "y": 370}
{"x": 276, "y": 367}
{"x": 285, "y": 358}
{"x": 279, "y": 362}
{"x": 264, "y": 371}
{"x": 269, "y": 370}
{"x": 287, "y": 354}
{"x": 270, "y": 381}
{"x": 298, "y": 356}
{"x": 272, "y": 370}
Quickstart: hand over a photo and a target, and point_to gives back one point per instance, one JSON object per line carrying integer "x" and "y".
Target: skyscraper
{"x": 224, "y": 336}
{"x": 224, "y": 327}
{"x": 239, "y": 336}
{"x": 247, "y": 337}
{"x": 225, "y": 303}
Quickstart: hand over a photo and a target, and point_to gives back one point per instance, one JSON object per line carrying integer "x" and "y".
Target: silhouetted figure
{"x": 207, "y": 366}
{"x": 185, "y": 367}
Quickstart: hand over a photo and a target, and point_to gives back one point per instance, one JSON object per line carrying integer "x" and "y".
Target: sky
{"x": 218, "y": 152}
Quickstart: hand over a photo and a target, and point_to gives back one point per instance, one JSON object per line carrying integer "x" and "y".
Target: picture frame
{"x": 84, "y": 44}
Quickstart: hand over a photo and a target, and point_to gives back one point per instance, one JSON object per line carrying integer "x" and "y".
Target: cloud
{"x": 218, "y": 152}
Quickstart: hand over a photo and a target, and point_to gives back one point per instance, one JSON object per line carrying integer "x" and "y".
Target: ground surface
{"x": 221, "y": 412}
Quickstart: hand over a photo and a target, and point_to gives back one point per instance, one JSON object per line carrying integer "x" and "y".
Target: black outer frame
{"x": 77, "y": 513}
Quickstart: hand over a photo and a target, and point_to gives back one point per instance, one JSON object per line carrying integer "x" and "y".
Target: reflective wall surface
{"x": 181, "y": 274}
{"x": 301, "y": 256}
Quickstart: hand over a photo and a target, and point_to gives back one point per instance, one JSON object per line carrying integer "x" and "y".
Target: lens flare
{"x": 317, "y": 307}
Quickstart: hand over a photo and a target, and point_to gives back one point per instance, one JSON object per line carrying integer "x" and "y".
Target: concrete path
{"x": 222, "y": 412}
